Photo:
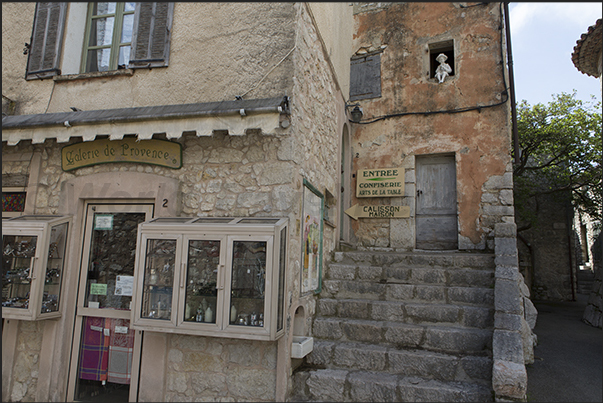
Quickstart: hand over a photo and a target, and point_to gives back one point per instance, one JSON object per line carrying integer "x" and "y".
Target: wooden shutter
{"x": 151, "y": 38}
{"x": 46, "y": 41}
{"x": 365, "y": 77}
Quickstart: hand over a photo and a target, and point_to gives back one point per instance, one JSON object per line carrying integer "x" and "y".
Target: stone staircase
{"x": 585, "y": 279}
{"x": 402, "y": 327}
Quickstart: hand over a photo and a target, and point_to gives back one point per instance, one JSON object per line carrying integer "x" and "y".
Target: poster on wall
{"x": 313, "y": 205}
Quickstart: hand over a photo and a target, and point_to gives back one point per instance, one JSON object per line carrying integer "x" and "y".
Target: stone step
{"x": 338, "y": 385}
{"x": 417, "y": 259}
{"x": 420, "y": 363}
{"x": 407, "y": 312}
{"x": 351, "y": 289}
{"x": 445, "y": 339}
{"x": 411, "y": 275}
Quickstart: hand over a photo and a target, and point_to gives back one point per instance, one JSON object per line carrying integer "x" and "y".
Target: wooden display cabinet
{"x": 33, "y": 264}
{"x": 221, "y": 277}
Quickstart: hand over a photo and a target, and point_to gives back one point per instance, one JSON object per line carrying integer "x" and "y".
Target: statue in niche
{"x": 443, "y": 69}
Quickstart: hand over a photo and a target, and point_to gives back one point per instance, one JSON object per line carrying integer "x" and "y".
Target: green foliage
{"x": 561, "y": 155}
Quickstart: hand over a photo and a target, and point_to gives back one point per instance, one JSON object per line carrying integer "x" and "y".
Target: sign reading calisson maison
{"x": 383, "y": 182}
{"x": 156, "y": 152}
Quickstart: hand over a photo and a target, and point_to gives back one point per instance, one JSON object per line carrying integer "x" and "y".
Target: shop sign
{"x": 156, "y": 152}
{"x": 382, "y": 182}
{"x": 379, "y": 211}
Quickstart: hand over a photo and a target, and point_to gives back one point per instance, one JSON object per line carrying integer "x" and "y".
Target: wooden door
{"x": 436, "y": 204}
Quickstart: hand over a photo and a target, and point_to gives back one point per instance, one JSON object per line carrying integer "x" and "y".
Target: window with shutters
{"x": 365, "y": 77}
{"x": 108, "y": 36}
{"x": 116, "y": 35}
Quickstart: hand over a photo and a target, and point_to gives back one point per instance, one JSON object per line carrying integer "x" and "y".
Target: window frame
{"x": 116, "y": 43}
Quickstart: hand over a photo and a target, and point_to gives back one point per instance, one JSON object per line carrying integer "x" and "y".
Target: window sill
{"x": 97, "y": 74}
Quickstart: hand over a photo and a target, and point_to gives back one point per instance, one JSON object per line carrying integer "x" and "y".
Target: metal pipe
{"x": 516, "y": 150}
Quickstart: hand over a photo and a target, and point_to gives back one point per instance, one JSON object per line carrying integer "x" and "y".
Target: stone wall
{"x": 515, "y": 316}
{"x": 593, "y": 314}
{"x": 211, "y": 369}
{"x": 26, "y": 363}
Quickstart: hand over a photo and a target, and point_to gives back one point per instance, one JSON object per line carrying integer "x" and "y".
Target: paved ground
{"x": 568, "y": 358}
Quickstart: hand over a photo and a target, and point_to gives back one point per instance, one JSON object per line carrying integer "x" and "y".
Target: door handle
{"x": 182, "y": 274}
{"x": 220, "y": 285}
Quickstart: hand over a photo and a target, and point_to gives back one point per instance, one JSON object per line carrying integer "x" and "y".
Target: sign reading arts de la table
{"x": 157, "y": 152}
{"x": 382, "y": 182}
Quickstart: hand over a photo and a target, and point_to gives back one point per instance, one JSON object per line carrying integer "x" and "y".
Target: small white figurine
{"x": 443, "y": 69}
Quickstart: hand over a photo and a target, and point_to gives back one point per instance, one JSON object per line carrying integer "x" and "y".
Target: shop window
{"x": 118, "y": 35}
{"x": 365, "y": 77}
{"x": 212, "y": 277}
{"x": 447, "y": 48}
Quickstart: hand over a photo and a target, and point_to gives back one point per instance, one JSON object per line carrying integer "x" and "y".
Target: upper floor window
{"x": 116, "y": 35}
{"x": 108, "y": 36}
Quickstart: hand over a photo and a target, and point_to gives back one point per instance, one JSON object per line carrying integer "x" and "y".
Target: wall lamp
{"x": 356, "y": 113}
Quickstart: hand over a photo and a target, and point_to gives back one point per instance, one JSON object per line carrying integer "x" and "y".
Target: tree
{"x": 561, "y": 156}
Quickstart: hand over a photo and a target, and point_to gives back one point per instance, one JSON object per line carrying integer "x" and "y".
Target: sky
{"x": 543, "y": 36}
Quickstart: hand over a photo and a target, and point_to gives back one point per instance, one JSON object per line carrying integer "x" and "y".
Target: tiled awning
{"x": 235, "y": 117}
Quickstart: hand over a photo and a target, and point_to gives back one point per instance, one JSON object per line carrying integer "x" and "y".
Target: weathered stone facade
{"x": 421, "y": 115}
{"x": 257, "y": 51}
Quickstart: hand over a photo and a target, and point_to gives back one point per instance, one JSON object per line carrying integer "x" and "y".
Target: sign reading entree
{"x": 382, "y": 182}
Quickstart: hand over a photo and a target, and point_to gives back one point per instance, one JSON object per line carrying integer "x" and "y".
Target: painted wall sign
{"x": 380, "y": 211}
{"x": 382, "y": 182}
{"x": 156, "y": 152}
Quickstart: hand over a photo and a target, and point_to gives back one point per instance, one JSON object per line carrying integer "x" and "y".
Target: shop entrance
{"x": 106, "y": 351}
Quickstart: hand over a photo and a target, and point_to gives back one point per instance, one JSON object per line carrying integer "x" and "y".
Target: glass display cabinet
{"x": 33, "y": 264}
{"x": 221, "y": 277}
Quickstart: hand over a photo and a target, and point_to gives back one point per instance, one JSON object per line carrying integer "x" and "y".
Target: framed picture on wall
{"x": 313, "y": 209}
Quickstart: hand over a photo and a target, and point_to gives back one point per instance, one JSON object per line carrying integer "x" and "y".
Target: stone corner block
{"x": 505, "y": 230}
{"x": 509, "y": 381}
{"x": 507, "y": 345}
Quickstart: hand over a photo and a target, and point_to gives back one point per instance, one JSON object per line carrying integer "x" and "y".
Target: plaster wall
{"x": 479, "y": 139}
{"x": 217, "y": 51}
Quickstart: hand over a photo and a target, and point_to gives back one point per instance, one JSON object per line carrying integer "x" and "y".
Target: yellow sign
{"x": 384, "y": 182}
{"x": 380, "y": 211}
{"x": 156, "y": 152}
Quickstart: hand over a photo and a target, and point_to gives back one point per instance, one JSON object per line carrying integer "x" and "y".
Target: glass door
{"x": 106, "y": 349}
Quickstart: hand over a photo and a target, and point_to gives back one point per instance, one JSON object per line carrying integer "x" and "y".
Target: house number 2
{"x": 165, "y": 203}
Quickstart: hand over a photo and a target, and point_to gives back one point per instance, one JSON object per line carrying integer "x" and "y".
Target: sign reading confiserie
{"x": 157, "y": 152}
{"x": 383, "y": 182}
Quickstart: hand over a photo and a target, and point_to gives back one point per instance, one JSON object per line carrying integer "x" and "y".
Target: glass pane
{"x": 281, "y": 279}
{"x": 54, "y": 268}
{"x": 126, "y": 32}
{"x": 248, "y": 283}
{"x": 158, "y": 279}
{"x": 176, "y": 220}
{"x": 98, "y": 60}
{"x": 105, "y": 360}
{"x": 35, "y": 218}
{"x": 212, "y": 220}
{"x": 130, "y": 6}
{"x": 101, "y": 32}
{"x": 13, "y": 201}
{"x": 259, "y": 221}
{"x": 103, "y": 8}
{"x": 111, "y": 262}
{"x": 17, "y": 264}
{"x": 202, "y": 275}
{"x": 124, "y": 56}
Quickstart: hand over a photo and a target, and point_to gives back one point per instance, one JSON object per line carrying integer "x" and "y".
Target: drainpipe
{"x": 516, "y": 150}
{"x": 570, "y": 225}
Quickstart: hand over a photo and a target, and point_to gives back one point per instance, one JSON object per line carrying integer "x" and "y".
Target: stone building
{"x": 209, "y": 163}
{"x": 588, "y": 59}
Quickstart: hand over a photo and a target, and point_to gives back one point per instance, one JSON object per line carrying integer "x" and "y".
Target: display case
{"x": 221, "y": 277}
{"x": 33, "y": 264}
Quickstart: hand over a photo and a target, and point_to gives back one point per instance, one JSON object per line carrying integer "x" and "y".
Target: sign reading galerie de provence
{"x": 382, "y": 182}
{"x": 156, "y": 152}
